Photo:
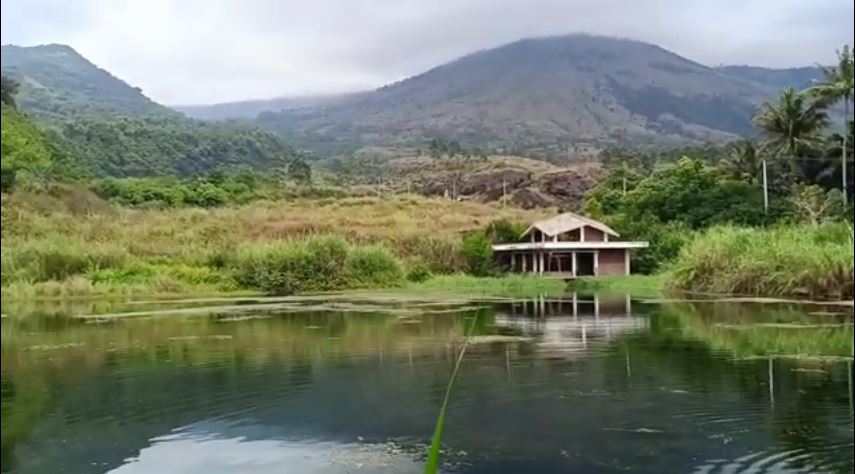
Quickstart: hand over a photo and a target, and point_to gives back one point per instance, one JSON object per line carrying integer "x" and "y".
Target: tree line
{"x": 89, "y": 149}
{"x": 795, "y": 170}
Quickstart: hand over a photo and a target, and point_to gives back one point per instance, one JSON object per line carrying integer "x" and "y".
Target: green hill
{"x": 56, "y": 82}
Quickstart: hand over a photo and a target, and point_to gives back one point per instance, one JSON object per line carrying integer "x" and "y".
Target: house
{"x": 567, "y": 246}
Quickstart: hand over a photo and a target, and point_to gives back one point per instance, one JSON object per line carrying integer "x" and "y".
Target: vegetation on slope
{"x": 57, "y": 83}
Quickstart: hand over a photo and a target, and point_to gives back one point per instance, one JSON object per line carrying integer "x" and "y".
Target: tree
{"x": 300, "y": 171}
{"x": 814, "y": 205}
{"x": 743, "y": 162}
{"x": 838, "y": 84}
{"x": 8, "y": 89}
{"x": 793, "y": 126}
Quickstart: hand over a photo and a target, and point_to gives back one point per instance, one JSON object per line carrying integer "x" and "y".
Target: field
{"x": 75, "y": 244}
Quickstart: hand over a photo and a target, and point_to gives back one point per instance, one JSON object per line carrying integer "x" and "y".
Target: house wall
{"x": 572, "y": 236}
{"x": 594, "y": 235}
{"x": 612, "y": 262}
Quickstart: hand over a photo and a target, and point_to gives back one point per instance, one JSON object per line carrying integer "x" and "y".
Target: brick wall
{"x": 594, "y": 235}
{"x": 612, "y": 262}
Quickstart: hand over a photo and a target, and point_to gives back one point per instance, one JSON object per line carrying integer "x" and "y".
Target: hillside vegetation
{"x": 56, "y": 82}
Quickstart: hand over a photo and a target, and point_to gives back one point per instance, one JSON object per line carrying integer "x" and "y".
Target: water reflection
{"x": 584, "y": 384}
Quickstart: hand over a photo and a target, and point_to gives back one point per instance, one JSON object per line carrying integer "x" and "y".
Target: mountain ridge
{"x": 546, "y": 95}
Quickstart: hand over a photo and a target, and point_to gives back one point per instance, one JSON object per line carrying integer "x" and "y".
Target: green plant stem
{"x": 436, "y": 440}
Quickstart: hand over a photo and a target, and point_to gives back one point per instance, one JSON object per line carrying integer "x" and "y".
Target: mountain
{"x": 547, "y": 96}
{"x": 57, "y": 82}
{"x": 249, "y": 109}
{"x": 798, "y": 78}
{"x": 71, "y": 111}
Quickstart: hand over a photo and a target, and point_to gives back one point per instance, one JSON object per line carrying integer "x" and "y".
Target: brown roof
{"x": 566, "y": 222}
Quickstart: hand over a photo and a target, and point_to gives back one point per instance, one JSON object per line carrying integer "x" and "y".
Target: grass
{"x": 641, "y": 286}
{"x": 794, "y": 261}
{"x": 432, "y": 463}
{"x": 57, "y": 248}
{"x": 506, "y": 286}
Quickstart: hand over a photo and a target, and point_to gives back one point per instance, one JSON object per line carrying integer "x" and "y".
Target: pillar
{"x": 573, "y": 256}
{"x": 524, "y": 262}
{"x": 513, "y": 262}
{"x": 626, "y": 260}
{"x": 596, "y": 262}
{"x": 541, "y": 263}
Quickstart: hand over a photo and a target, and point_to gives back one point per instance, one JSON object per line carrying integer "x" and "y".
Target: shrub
{"x": 374, "y": 266}
{"x": 478, "y": 253}
{"x": 503, "y": 231}
{"x": 418, "y": 272}
{"x": 317, "y": 264}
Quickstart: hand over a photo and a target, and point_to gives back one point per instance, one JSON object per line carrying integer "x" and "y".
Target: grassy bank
{"x": 794, "y": 261}
{"x": 640, "y": 286}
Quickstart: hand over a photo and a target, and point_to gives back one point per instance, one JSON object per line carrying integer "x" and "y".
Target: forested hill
{"x": 56, "y": 82}
{"x": 106, "y": 127}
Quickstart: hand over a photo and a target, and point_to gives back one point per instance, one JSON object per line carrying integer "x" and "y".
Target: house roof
{"x": 565, "y": 223}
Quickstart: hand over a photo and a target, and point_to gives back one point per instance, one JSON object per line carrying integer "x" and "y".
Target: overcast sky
{"x": 203, "y": 51}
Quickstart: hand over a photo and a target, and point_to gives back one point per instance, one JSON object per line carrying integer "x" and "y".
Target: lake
{"x": 352, "y": 383}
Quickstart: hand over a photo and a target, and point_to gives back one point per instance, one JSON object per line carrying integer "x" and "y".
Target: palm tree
{"x": 743, "y": 162}
{"x": 792, "y": 126}
{"x": 838, "y": 84}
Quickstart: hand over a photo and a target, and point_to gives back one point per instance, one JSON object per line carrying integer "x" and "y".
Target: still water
{"x": 352, "y": 384}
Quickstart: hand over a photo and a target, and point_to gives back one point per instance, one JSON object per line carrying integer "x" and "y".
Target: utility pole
{"x": 843, "y": 155}
{"x": 765, "y": 190}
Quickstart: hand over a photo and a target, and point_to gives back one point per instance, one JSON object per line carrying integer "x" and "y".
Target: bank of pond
{"x": 812, "y": 262}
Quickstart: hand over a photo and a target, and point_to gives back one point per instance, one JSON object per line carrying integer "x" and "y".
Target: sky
{"x": 207, "y": 51}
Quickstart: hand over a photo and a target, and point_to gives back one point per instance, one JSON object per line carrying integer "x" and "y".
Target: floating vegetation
{"x": 497, "y": 339}
{"x": 53, "y": 347}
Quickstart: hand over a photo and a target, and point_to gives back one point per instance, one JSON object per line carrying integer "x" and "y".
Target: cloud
{"x": 201, "y": 51}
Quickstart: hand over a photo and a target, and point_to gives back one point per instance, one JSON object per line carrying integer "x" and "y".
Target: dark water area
{"x": 353, "y": 384}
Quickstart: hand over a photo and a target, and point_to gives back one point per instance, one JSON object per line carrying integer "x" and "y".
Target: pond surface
{"x": 353, "y": 384}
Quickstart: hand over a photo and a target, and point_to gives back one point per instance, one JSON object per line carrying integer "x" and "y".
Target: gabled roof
{"x": 565, "y": 223}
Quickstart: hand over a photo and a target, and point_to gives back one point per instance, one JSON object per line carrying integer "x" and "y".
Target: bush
{"x": 418, "y": 272}
{"x": 316, "y": 264}
{"x": 374, "y": 266}
{"x": 503, "y": 231}
{"x": 801, "y": 261}
{"x": 478, "y": 254}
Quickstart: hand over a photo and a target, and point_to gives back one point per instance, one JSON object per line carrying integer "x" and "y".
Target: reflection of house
{"x": 566, "y": 246}
{"x": 561, "y": 326}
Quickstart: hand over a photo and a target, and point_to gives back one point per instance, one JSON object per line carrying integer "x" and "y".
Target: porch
{"x": 566, "y": 260}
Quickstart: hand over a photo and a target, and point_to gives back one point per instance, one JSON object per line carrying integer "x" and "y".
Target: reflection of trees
{"x": 175, "y": 371}
{"x": 692, "y": 343}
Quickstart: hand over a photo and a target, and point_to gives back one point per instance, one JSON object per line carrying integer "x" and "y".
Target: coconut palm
{"x": 743, "y": 161}
{"x": 792, "y": 126}
{"x": 838, "y": 84}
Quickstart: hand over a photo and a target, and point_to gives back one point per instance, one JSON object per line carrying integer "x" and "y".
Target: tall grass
{"x": 801, "y": 261}
{"x": 46, "y": 239}
{"x": 315, "y": 264}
